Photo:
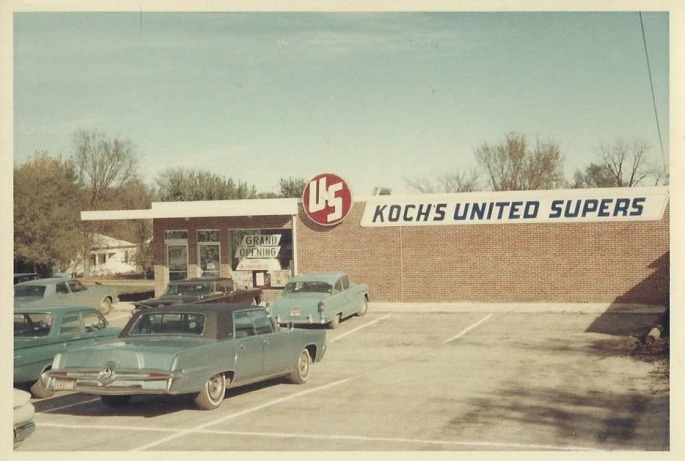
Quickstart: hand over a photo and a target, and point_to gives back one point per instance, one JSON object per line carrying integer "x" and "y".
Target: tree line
{"x": 103, "y": 174}
{"x": 516, "y": 164}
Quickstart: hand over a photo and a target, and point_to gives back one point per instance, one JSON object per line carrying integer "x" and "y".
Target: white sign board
{"x": 518, "y": 207}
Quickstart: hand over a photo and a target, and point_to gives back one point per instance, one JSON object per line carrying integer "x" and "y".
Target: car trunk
{"x": 130, "y": 354}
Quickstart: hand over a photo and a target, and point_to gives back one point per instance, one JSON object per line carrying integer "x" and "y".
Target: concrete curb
{"x": 517, "y": 308}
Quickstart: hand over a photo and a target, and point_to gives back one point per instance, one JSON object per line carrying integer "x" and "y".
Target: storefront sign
{"x": 549, "y": 206}
{"x": 258, "y": 246}
{"x": 327, "y": 199}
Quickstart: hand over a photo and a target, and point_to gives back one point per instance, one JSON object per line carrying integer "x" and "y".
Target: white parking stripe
{"x": 240, "y": 413}
{"x": 83, "y": 402}
{"x": 355, "y": 438}
{"x": 468, "y": 329}
{"x": 358, "y": 328}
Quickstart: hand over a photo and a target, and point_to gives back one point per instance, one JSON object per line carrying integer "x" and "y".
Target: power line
{"x": 651, "y": 84}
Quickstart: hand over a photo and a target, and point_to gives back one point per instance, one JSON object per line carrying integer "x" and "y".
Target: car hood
{"x": 129, "y": 353}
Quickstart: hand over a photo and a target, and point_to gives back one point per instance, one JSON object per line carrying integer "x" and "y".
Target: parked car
{"x": 23, "y": 416}
{"x": 25, "y": 277}
{"x": 58, "y": 291}
{"x": 195, "y": 349}
{"x": 42, "y": 332}
{"x": 203, "y": 290}
{"x": 320, "y": 298}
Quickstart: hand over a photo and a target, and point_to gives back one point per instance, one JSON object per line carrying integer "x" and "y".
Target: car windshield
{"x": 308, "y": 287}
{"x": 189, "y": 289}
{"x": 29, "y": 291}
{"x": 168, "y": 324}
{"x": 33, "y": 324}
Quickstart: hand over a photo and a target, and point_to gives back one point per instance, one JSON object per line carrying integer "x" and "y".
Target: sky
{"x": 375, "y": 97}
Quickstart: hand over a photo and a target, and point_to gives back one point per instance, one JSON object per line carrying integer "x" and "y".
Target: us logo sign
{"x": 327, "y": 199}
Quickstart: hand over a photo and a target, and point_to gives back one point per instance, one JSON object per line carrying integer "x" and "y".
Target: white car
{"x": 23, "y": 416}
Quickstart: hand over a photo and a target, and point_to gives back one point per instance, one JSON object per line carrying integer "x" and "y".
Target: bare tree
{"x": 623, "y": 163}
{"x": 512, "y": 165}
{"x": 626, "y": 161}
{"x": 102, "y": 163}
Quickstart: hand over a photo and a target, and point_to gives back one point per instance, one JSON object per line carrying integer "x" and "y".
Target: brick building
{"x": 591, "y": 246}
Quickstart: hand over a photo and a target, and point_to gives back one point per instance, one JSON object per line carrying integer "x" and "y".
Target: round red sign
{"x": 327, "y": 199}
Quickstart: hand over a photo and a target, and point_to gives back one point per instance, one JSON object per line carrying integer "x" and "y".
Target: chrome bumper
{"x": 22, "y": 431}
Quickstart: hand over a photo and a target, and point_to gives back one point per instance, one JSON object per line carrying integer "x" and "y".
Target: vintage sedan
{"x": 42, "y": 332}
{"x": 192, "y": 349}
{"x": 59, "y": 291}
{"x": 23, "y": 416}
{"x": 202, "y": 291}
{"x": 320, "y": 298}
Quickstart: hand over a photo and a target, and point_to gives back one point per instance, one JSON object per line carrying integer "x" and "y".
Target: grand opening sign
{"x": 549, "y": 206}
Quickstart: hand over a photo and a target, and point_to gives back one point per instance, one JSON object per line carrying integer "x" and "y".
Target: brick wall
{"x": 625, "y": 262}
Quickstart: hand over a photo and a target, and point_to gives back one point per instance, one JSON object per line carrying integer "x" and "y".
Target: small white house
{"x": 109, "y": 256}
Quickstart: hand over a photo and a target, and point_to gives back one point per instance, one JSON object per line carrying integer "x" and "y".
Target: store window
{"x": 209, "y": 252}
{"x": 176, "y": 242}
{"x": 261, "y": 257}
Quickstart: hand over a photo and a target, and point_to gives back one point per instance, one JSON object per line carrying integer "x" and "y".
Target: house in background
{"x": 109, "y": 256}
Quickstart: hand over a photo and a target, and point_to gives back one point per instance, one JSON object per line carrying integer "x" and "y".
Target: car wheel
{"x": 212, "y": 393}
{"x": 364, "y": 307}
{"x": 115, "y": 401}
{"x": 105, "y": 306}
{"x": 301, "y": 372}
{"x": 333, "y": 324}
{"x": 39, "y": 389}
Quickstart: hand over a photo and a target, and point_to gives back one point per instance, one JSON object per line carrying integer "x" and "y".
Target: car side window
{"x": 62, "y": 288}
{"x": 94, "y": 321}
{"x": 71, "y": 325}
{"x": 76, "y": 286}
{"x": 261, "y": 322}
{"x": 243, "y": 325}
{"x": 338, "y": 286}
{"x": 345, "y": 282}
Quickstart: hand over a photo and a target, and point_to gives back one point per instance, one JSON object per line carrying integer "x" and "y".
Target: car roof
{"x": 223, "y": 313}
{"x": 44, "y": 281}
{"x": 48, "y": 309}
{"x": 328, "y": 277}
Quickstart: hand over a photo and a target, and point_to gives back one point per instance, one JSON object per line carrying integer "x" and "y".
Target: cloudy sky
{"x": 376, "y": 97}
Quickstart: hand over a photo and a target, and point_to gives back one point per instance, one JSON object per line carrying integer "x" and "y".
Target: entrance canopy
{"x": 204, "y": 208}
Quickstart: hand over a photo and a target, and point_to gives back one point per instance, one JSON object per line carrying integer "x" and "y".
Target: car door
{"x": 71, "y": 332}
{"x": 249, "y": 359}
{"x": 80, "y": 296}
{"x": 277, "y": 356}
{"x": 95, "y": 326}
{"x": 63, "y": 294}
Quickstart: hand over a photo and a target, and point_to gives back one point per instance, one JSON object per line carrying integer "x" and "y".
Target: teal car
{"x": 40, "y": 333}
{"x": 189, "y": 349}
{"x": 58, "y": 291}
{"x": 323, "y": 298}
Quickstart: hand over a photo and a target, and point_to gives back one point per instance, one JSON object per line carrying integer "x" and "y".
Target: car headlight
{"x": 321, "y": 306}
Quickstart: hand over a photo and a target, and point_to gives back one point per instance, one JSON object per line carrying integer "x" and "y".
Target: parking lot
{"x": 396, "y": 380}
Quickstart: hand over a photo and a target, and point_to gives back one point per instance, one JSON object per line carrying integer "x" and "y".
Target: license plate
{"x": 294, "y": 311}
{"x": 65, "y": 384}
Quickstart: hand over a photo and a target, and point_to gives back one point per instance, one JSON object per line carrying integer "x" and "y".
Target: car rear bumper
{"x": 122, "y": 384}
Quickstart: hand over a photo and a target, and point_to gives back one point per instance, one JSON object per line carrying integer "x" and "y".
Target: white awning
{"x": 200, "y": 209}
